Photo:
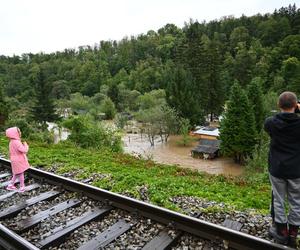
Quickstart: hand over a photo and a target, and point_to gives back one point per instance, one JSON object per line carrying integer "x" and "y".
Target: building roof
{"x": 207, "y": 131}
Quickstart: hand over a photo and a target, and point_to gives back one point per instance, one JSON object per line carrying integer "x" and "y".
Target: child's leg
{"x": 13, "y": 179}
{"x": 11, "y": 185}
{"x": 21, "y": 178}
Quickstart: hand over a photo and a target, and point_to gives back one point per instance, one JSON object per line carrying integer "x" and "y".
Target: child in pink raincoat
{"x": 18, "y": 158}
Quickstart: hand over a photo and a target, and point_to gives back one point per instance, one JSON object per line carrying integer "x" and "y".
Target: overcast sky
{"x": 51, "y": 25}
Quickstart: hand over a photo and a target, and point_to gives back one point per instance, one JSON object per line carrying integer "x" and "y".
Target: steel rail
{"x": 11, "y": 241}
{"x": 203, "y": 229}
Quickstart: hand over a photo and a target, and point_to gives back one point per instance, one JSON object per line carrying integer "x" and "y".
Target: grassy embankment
{"x": 125, "y": 174}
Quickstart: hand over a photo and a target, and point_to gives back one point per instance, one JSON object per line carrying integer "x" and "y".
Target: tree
{"x": 108, "y": 107}
{"x": 158, "y": 120}
{"x": 237, "y": 131}
{"x": 190, "y": 56}
{"x": 88, "y": 133}
{"x": 279, "y": 84}
{"x": 291, "y": 46}
{"x": 184, "y": 131}
{"x": 147, "y": 75}
{"x": 168, "y": 124}
{"x": 271, "y": 103}
{"x": 239, "y": 34}
{"x": 44, "y": 108}
{"x": 3, "y": 107}
{"x": 244, "y": 64}
{"x": 60, "y": 89}
{"x": 149, "y": 117}
{"x": 291, "y": 73}
{"x": 151, "y": 99}
{"x": 114, "y": 94}
{"x": 182, "y": 95}
{"x": 80, "y": 104}
{"x": 272, "y": 31}
{"x": 256, "y": 100}
{"x": 216, "y": 88}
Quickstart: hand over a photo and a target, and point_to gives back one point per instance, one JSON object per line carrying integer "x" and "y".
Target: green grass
{"x": 125, "y": 174}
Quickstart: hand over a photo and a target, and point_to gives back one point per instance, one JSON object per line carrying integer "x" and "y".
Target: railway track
{"x": 59, "y": 213}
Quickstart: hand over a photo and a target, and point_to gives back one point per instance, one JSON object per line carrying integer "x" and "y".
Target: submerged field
{"x": 171, "y": 152}
{"x": 146, "y": 180}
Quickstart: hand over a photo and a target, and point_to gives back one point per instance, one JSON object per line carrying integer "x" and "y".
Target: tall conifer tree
{"x": 215, "y": 87}
{"x": 190, "y": 54}
{"x": 237, "y": 132}
{"x": 181, "y": 95}
{"x": 44, "y": 109}
{"x": 255, "y": 96}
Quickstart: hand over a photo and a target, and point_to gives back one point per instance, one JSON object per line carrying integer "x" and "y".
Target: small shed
{"x": 206, "y": 149}
{"x": 210, "y": 133}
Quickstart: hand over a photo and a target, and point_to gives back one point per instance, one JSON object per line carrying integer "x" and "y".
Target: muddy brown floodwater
{"x": 172, "y": 153}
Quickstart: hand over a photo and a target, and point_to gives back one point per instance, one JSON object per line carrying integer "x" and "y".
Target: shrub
{"x": 184, "y": 129}
{"x": 259, "y": 158}
{"x": 108, "y": 107}
{"x": 121, "y": 120}
{"x": 42, "y": 136}
{"x": 88, "y": 133}
{"x": 25, "y": 127}
{"x": 31, "y": 130}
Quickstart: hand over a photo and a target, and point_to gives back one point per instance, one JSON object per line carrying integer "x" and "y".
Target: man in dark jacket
{"x": 284, "y": 168}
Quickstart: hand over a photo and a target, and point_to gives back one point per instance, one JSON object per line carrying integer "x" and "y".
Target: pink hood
{"x": 12, "y": 133}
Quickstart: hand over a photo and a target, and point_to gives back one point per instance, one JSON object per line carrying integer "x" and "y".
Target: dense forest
{"x": 192, "y": 70}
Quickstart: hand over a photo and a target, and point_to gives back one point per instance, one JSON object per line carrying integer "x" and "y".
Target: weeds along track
{"x": 59, "y": 213}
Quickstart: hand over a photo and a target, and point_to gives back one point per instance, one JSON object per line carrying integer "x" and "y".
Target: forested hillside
{"x": 196, "y": 66}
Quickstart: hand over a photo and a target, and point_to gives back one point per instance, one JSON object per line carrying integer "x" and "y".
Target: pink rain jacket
{"x": 17, "y": 151}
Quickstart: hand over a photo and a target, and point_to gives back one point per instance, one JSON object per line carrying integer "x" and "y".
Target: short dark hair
{"x": 287, "y": 100}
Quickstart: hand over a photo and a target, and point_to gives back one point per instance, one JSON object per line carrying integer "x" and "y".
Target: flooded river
{"x": 60, "y": 134}
{"x": 172, "y": 153}
{"x": 168, "y": 153}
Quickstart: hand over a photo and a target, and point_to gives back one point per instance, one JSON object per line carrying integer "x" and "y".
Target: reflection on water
{"x": 172, "y": 153}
